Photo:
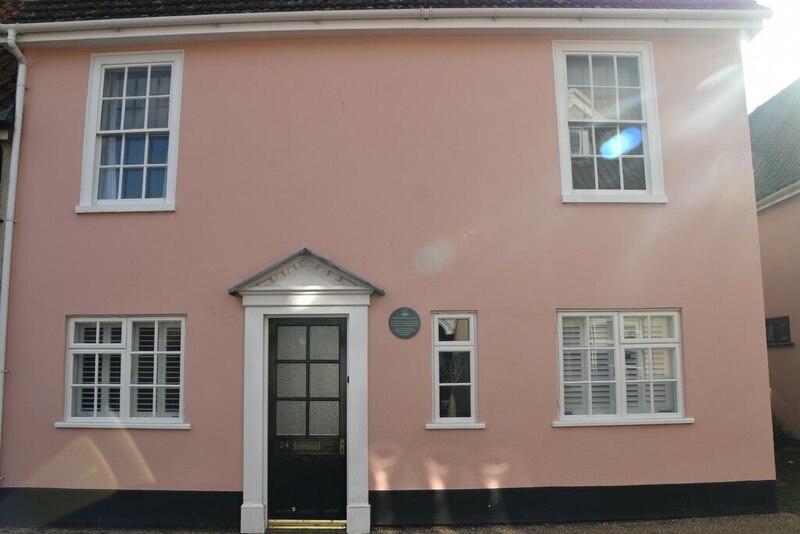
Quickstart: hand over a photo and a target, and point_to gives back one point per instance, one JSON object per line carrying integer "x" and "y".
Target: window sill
{"x": 120, "y": 424}
{"x": 781, "y": 344}
{"x": 627, "y": 422}
{"x": 613, "y": 198}
{"x": 123, "y": 208}
{"x": 455, "y": 426}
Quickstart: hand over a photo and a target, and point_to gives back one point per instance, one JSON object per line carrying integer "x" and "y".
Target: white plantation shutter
{"x": 573, "y": 331}
{"x": 603, "y": 390}
{"x": 603, "y": 399}
{"x": 575, "y": 399}
{"x": 156, "y": 374}
{"x": 148, "y": 365}
{"x": 601, "y": 331}
{"x": 587, "y": 365}
{"x": 664, "y": 380}
{"x": 643, "y": 346}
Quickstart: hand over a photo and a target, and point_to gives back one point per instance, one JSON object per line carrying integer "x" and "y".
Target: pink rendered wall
{"x": 780, "y": 259}
{"x": 430, "y": 167}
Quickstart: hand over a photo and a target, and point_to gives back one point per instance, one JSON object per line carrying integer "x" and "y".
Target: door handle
{"x": 341, "y": 446}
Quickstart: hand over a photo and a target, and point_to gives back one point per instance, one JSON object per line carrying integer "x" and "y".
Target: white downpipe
{"x": 8, "y": 223}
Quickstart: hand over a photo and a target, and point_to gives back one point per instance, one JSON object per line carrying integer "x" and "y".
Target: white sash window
{"x": 620, "y": 366}
{"x": 125, "y": 371}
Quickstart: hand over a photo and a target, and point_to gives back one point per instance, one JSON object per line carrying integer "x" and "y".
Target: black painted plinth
{"x": 42, "y": 506}
{"x": 535, "y": 505}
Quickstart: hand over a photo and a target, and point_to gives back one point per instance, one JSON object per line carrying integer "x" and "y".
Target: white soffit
{"x": 386, "y": 21}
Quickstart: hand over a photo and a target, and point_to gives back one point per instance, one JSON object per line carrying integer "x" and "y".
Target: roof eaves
{"x": 779, "y": 196}
{"x": 376, "y": 21}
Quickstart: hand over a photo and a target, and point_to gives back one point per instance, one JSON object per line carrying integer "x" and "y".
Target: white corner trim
{"x": 778, "y": 196}
{"x": 111, "y": 424}
{"x": 471, "y": 20}
{"x": 454, "y": 426}
{"x": 124, "y": 208}
{"x": 599, "y": 198}
{"x": 627, "y": 422}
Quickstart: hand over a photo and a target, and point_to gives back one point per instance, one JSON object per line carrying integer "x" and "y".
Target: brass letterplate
{"x": 307, "y": 446}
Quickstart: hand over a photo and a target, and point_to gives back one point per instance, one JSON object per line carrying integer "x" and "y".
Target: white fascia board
{"x": 197, "y": 27}
{"x": 778, "y": 196}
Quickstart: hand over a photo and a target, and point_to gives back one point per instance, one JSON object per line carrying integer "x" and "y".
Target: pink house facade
{"x": 384, "y": 266}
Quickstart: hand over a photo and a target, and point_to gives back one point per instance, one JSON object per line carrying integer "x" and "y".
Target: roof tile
{"x": 775, "y": 139}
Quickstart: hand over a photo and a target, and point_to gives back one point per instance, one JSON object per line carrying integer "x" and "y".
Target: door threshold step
{"x": 307, "y": 524}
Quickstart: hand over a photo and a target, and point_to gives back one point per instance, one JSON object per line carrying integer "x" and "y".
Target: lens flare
{"x": 622, "y": 143}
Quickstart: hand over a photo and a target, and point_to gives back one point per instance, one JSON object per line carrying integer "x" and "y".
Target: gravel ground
{"x": 746, "y": 524}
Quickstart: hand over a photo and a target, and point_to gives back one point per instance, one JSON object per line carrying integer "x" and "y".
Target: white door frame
{"x": 260, "y": 305}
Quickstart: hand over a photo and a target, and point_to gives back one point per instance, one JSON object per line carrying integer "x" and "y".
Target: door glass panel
{"x": 290, "y": 418}
{"x": 291, "y": 343}
{"x": 291, "y": 380}
{"x": 323, "y": 418}
{"x": 324, "y": 343}
{"x": 324, "y": 380}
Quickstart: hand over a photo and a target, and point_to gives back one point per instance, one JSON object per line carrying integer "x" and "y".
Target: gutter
{"x": 9, "y": 222}
{"x": 778, "y": 196}
{"x": 387, "y": 20}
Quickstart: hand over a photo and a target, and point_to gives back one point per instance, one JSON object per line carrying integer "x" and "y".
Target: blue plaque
{"x": 404, "y": 323}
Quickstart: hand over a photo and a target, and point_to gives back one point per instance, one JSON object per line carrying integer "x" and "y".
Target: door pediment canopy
{"x": 304, "y": 271}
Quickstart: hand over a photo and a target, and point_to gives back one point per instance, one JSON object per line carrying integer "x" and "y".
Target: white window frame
{"x": 620, "y": 344}
{"x": 124, "y": 347}
{"x": 470, "y": 346}
{"x": 654, "y": 192}
{"x": 89, "y": 203}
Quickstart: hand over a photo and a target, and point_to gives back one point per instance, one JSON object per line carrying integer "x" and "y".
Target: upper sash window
{"x": 608, "y": 125}
{"x": 130, "y": 151}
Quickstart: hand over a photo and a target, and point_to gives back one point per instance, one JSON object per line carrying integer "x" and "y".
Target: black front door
{"x": 306, "y": 470}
